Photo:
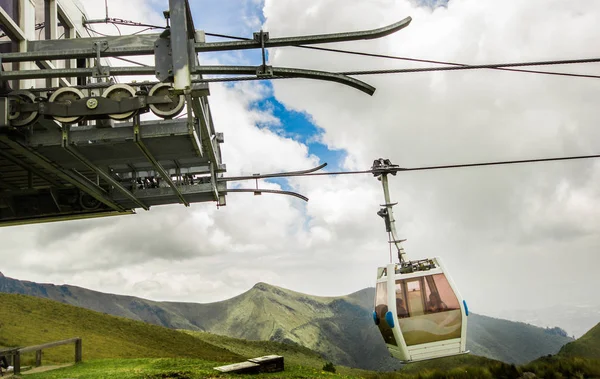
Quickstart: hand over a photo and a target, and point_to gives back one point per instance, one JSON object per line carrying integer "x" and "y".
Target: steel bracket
{"x": 163, "y": 57}
{"x": 100, "y": 71}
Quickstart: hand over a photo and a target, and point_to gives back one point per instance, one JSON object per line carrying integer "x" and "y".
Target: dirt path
{"x": 36, "y": 370}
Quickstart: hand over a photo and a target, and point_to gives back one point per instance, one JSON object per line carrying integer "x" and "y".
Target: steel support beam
{"x": 50, "y": 28}
{"x": 202, "y": 113}
{"x": 197, "y": 140}
{"x": 165, "y": 175}
{"x": 73, "y": 72}
{"x": 180, "y": 44}
{"x": 12, "y": 29}
{"x": 104, "y": 175}
{"x": 79, "y": 182}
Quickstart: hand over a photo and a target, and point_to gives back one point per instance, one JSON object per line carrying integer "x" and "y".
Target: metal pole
{"x": 388, "y": 205}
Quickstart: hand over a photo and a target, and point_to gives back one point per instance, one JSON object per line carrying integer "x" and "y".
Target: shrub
{"x": 329, "y": 367}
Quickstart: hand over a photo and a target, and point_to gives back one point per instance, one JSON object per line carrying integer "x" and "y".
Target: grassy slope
{"x": 26, "y": 321}
{"x": 587, "y": 345}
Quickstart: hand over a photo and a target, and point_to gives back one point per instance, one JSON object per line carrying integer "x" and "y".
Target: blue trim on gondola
{"x": 466, "y": 308}
{"x": 389, "y": 318}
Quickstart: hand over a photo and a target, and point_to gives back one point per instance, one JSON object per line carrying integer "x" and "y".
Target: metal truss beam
{"x": 120, "y": 132}
{"x": 29, "y": 168}
{"x": 143, "y": 44}
{"x": 6, "y": 185}
{"x": 79, "y": 182}
{"x": 165, "y": 175}
{"x": 195, "y": 193}
{"x": 106, "y": 176}
{"x": 63, "y": 217}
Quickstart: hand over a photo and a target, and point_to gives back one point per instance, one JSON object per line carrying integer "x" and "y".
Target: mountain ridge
{"x": 339, "y": 328}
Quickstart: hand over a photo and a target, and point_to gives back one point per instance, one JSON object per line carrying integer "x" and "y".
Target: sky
{"x": 519, "y": 237}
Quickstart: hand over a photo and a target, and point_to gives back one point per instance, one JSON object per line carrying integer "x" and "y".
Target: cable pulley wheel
{"x": 20, "y": 118}
{"x": 117, "y": 92}
{"x": 166, "y": 110}
{"x": 66, "y": 95}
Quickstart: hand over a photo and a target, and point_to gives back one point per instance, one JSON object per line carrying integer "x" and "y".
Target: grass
{"x": 168, "y": 368}
{"x": 26, "y": 321}
{"x": 295, "y": 355}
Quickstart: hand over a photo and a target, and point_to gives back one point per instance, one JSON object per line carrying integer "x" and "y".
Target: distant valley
{"x": 575, "y": 319}
{"x": 338, "y": 328}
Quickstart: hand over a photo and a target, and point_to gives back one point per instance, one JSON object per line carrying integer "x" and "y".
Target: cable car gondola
{"x": 418, "y": 309}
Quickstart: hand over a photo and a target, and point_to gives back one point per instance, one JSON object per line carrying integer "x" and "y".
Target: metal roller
{"x": 21, "y": 118}
{"x": 67, "y": 95}
{"x": 168, "y": 110}
{"x": 117, "y": 92}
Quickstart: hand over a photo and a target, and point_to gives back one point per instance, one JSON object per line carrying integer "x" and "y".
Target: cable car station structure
{"x": 72, "y": 142}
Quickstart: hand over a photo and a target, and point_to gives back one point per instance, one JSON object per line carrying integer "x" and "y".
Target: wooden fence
{"x": 15, "y": 353}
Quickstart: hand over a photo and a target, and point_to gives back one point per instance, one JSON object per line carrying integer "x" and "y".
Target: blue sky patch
{"x": 241, "y": 18}
{"x": 299, "y": 127}
{"x": 432, "y": 3}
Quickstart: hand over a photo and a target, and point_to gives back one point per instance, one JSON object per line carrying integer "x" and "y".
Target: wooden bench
{"x": 267, "y": 363}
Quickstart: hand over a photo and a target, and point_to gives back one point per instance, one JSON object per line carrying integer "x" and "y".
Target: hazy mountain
{"x": 340, "y": 328}
{"x": 576, "y": 319}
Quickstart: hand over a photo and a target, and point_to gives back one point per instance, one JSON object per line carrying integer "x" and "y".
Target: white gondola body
{"x": 420, "y": 314}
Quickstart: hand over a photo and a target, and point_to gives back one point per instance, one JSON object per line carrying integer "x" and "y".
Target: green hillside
{"x": 339, "y": 328}
{"x": 587, "y": 345}
{"x": 157, "y": 352}
{"x": 26, "y": 321}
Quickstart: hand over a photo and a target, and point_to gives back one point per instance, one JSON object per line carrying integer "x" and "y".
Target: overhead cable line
{"x": 401, "y": 169}
{"x": 132, "y": 61}
{"x": 502, "y": 67}
{"x": 471, "y": 67}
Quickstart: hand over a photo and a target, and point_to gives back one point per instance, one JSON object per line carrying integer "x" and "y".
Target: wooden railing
{"x": 15, "y": 353}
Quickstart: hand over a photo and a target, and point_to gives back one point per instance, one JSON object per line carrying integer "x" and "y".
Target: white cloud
{"x": 512, "y": 237}
{"x": 504, "y": 232}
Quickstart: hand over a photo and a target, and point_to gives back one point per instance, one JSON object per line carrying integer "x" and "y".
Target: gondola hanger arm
{"x": 275, "y": 175}
{"x": 130, "y": 45}
{"x": 273, "y": 72}
{"x": 305, "y": 40}
{"x": 259, "y": 191}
